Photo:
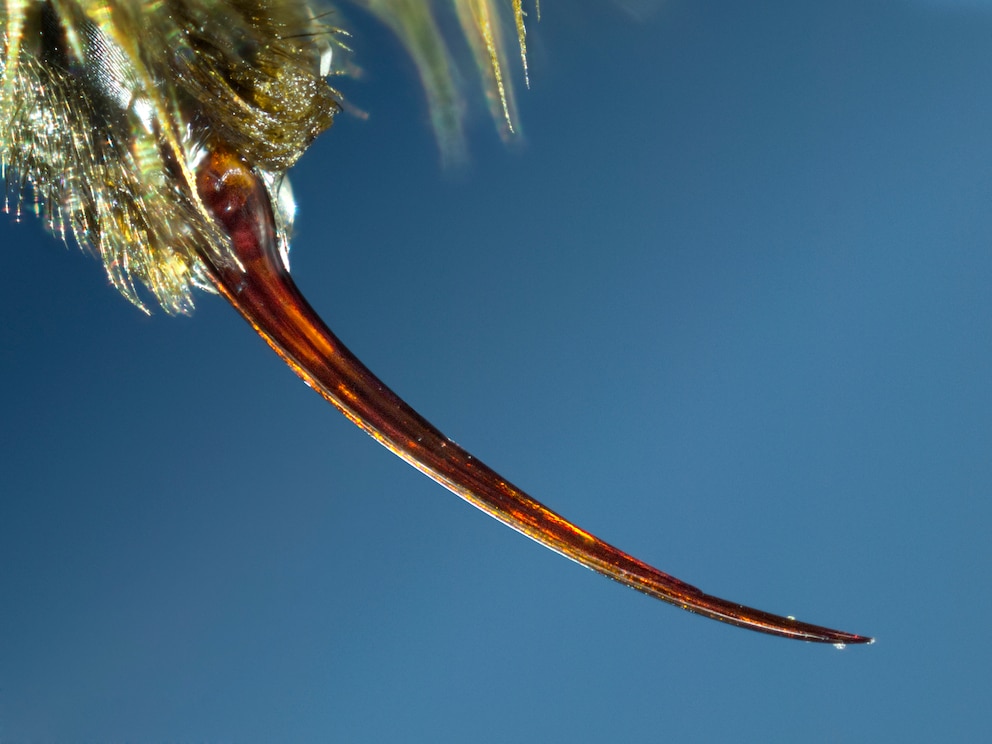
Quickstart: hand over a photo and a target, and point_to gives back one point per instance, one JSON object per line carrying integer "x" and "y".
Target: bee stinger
{"x": 157, "y": 135}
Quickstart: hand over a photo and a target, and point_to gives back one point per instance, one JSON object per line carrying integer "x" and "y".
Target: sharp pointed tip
{"x": 841, "y": 640}
{"x": 859, "y": 640}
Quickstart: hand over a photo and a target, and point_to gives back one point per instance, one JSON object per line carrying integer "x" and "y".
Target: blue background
{"x": 727, "y": 306}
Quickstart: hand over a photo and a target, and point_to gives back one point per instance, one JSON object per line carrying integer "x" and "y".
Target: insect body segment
{"x": 105, "y": 105}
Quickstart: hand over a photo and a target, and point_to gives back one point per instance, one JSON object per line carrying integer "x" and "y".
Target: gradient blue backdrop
{"x": 728, "y": 306}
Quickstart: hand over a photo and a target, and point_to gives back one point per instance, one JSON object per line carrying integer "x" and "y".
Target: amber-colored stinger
{"x": 264, "y": 293}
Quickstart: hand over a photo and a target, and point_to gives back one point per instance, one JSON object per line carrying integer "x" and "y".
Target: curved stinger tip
{"x": 261, "y": 289}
